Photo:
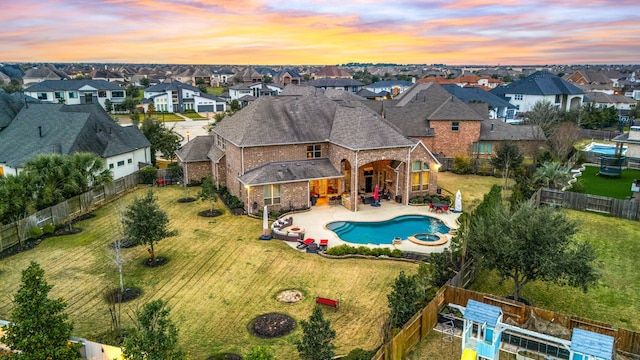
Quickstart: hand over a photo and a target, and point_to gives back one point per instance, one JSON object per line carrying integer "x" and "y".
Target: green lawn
{"x": 472, "y": 187}
{"x": 615, "y": 298}
{"x": 219, "y": 277}
{"x": 619, "y": 188}
{"x": 195, "y": 116}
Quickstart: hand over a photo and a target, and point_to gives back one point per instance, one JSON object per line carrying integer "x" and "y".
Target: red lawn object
{"x": 328, "y": 302}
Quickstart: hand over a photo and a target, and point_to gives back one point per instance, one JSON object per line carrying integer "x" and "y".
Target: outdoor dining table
{"x": 443, "y": 207}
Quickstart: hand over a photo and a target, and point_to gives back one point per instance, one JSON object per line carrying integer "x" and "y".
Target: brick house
{"x": 283, "y": 151}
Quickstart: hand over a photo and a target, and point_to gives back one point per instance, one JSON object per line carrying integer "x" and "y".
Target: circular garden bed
{"x": 272, "y": 325}
{"x": 210, "y": 213}
{"x": 116, "y": 296}
{"x": 158, "y": 261}
{"x": 186, "y": 200}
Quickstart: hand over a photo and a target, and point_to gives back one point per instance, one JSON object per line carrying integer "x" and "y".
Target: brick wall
{"x": 292, "y": 195}
{"x": 448, "y": 143}
{"x": 195, "y": 171}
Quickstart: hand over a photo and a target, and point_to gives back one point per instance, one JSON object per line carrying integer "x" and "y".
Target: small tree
{"x": 144, "y": 82}
{"x": 551, "y": 175}
{"x": 208, "y": 192}
{"x": 317, "y": 337}
{"x": 562, "y": 139}
{"x": 507, "y": 158}
{"x": 40, "y": 329}
{"x": 108, "y": 105}
{"x": 260, "y": 353}
{"x": 403, "y": 300}
{"x": 545, "y": 115}
{"x": 145, "y": 223}
{"x": 154, "y": 337}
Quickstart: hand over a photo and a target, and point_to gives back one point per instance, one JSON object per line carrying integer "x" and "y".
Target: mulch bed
{"x": 158, "y": 261}
{"x": 209, "y": 213}
{"x": 225, "y": 356}
{"x": 272, "y": 325}
{"x": 186, "y": 200}
{"x": 118, "y": 297}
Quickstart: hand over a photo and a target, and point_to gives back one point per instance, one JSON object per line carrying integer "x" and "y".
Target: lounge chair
{"x": 304, "y": 243}
{"x": 323, "y": 244}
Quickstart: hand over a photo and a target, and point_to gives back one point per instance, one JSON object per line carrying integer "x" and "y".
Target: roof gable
{"x": 539, "y": 83}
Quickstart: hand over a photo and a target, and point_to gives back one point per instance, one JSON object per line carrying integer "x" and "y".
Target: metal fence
{"x": 18, "y": 231}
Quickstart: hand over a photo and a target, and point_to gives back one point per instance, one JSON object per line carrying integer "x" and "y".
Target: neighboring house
{"x": 340, "y": 84}
{"x": 279, "y": 151}
{"x": 607, "y": 89}
{"x": 4, "y": 78}
{"x": 529, "y": 138}
{"x": 42, "y": 73}
{"x": 630, "y": 139}
{"x": 331, "y": 72}
{"x": 286, "y": 77}
{"x": 73, "y": 92}
{"x": 428, "y": 113}
{"x": 601, "y": 100}
{"x": 221, "y": 77}
{"x": 236, "y": 92}
{"x": 583, "y": 77}
{"x": 499, "y": 108}
{"x": 177, "y": 97}
{"x": 393, "y": 87}
{"x": 634, "y": 94}
{"x": 541, "y": 86}
{"x": 43, "y": 128}
{"x": 368, "y": 94}
{"x": 106, "y": 75}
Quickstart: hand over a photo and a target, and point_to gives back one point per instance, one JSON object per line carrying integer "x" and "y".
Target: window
{"x": 59, "y": 95}
{"x": 117, "y": 94}
{"x": 102, "y": 94}
{"x": 455, "y": 125}
{"x": 73, "y": 95}
{"x": 120, "y": 163}
{"x": 42, "y": 96}
{"x": 518, "y": 97}
{"x": 558, "y": 99}
{"x": 271, "y": 194}
{"x": 482, "y": 148}
{"x": 314, "y": 151}
{"x": 129, "y": 161}
{"x": 419, "y": 176}
{"x": 88, "y": 98}
{"x": 110, "y": 166}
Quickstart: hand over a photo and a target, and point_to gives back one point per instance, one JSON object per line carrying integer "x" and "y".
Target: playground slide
{"x": 468, "y": 354}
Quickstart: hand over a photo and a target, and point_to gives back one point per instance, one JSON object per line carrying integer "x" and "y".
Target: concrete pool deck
{"x": 314, "y": 222}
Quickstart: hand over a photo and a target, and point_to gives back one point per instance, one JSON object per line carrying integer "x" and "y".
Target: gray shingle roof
{"x": 196, "y": 149}
{"x": 539, "y": 83}
{"x": 173, "y": 86}
{"x": 307, "y": 119}
{"x": 66, "y": 85}
{"x": 10, "y": 106}
{"x": 476, "y": 94}
{"x": 494, "y": 130}
{"x": 331, "y": 82}
{"x": 301, "y": 90}
{"x": 65, "y": 129}
{"x": 290, "y": 171}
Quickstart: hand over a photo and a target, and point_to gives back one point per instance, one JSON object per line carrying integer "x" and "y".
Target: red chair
{"x": 323, "y": 244}
{"x": 445, "y": 208}
{"x": 303, "y": 244}
{"x": 431, "y": 208}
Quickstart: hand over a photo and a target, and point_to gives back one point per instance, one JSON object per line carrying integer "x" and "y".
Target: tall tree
{"x": 508, "y": 157}
{"x": 108, "y": 105}
{"x": 403, "y": 301}
{"x": 144, "y": 82}
{"x": 317, "y": 337}
{"x": 531, "y": 243}
{"x": 208, "y": 192}
{"x": 544, "y": 114}
{"x": 15, "y": 197}
{"x": 40, "y": 329}
{"x": 155, "y": 337}
{"x": 561, "y": 141}
{"x": 162, "y": 139}
{"x": 145, "y": 223}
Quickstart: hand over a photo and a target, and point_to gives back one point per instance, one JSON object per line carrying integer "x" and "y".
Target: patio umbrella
{"x": 376, "y": 196}
{"x": 265, "y": 222}
{"x": 457, "y": 206}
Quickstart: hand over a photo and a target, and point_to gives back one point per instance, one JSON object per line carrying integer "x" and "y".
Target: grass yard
{"x": 195, "y": 116}
{"x": 472, "y": 187}
{"x": 615, "y": 298}
{"x": 219, "y": 277}
{"x": 619, "y": 188}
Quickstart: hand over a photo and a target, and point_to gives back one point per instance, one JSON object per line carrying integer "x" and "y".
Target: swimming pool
{"x": 603, "y": 149}
{"x": 384, "y": 232}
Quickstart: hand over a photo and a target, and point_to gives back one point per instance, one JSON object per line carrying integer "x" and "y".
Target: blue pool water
{"x": 604, "y": 149}
{"x": 383, "y": 232}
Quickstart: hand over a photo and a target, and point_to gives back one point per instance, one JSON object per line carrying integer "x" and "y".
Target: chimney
{"x": 40, "y": 130}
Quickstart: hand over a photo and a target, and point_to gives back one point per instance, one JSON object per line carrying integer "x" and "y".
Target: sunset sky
{"x": 321, "y": 32}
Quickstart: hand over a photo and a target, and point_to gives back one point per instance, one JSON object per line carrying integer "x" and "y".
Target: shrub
{"x": 340, "y": 250}
{"x": 462, "y": 165}
{"x": 396, "y": 253}
{"x": 363, "y": 250}
{"x": 35, "y": 232}
{"x": 148, "y": 175}
{"x": 360, "y": 354}
{"x": 48, "y": 228}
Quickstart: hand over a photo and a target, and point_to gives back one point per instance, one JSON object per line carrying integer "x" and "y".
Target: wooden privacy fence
{"x": 18, "y": 231}
{"x": 626, "y": 209}
{"x": 416, "y": 329}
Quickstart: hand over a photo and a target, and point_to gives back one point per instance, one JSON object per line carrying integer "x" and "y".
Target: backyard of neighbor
{"x": 220, "y": 276}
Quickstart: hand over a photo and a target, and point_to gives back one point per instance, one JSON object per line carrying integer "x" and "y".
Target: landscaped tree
{"x": 260, "y": 353}
{"x": 162, "y": 140}
{"x": 208, "y": 192}
{"x": 144, "y": 82}
{"x": 154, "y": 337}
{"x": 562, "y": 139}
{"x": 317, "y": 337}
{"x": 108, "y": 105}
{"x": 145, "y": 223}
{"x": 40, "y": 329}
{"x": 508, "y": 157}
{"x": 544, "y": 114}
{"x": 403, "y": 300}
{"x": 15, "y": 197}
{"x": 531, "y": 243}
{"x": 552, "y": 175}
